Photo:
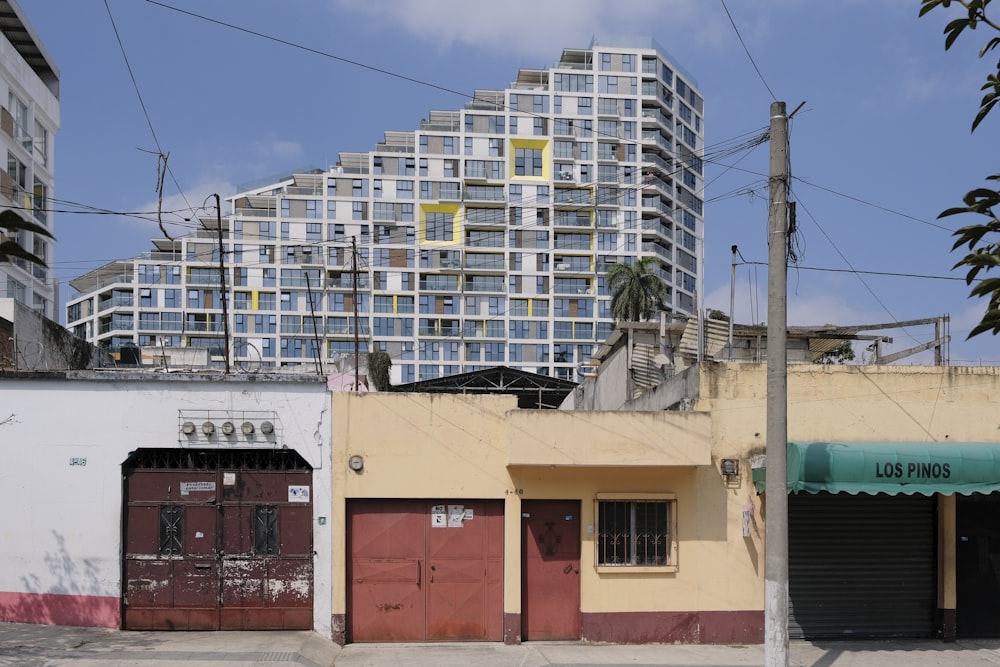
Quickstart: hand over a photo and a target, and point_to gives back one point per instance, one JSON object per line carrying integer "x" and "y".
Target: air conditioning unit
{"x": 562, "y": 266}
{"x": 566, "y": 175}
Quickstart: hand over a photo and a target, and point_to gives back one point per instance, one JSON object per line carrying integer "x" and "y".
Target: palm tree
{"x": 637, "y": 291}
{"x": 10, "y": 249}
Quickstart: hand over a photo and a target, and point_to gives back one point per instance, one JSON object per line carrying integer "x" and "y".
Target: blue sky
{"x": 881, "y": 146}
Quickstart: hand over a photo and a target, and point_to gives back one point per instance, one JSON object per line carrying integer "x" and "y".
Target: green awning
{"x": 891, "y": 467}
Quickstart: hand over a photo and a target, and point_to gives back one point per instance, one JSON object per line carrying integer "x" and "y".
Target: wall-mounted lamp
{"x": 187, "y": 428}
{"x": 228, "y": 428}
{"x": 730, "y": 468}
{"x": 208, "y": 428}
{"x": 267, "y": 428}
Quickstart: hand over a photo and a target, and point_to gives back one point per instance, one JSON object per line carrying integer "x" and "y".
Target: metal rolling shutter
{"x": 861, "y": 566}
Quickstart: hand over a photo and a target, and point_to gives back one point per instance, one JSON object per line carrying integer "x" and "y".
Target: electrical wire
{"x": 750, "y": 57}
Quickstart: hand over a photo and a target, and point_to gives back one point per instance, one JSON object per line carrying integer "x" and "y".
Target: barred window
{"x": 171, "y": 530}
{"x": 266, "y": 529}
{"x": 635, "y": 533}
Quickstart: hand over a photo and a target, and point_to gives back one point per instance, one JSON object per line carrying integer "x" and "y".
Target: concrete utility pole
{"x": 776, "y": 512}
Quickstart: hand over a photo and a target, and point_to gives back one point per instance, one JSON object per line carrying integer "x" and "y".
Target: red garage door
{"x": 425, "y": 571}
{"x": 218, "y": 540}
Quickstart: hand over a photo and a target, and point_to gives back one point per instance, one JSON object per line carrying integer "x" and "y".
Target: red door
{"x": 550, "y": 557}
{"x": 171, "y": 563}
{"x": 425, "y": 570}
{"x": 225, "y": 546}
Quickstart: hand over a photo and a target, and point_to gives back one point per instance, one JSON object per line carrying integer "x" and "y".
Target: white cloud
{"x": 807, "y": 310}
{"x": 537, "y": 29}
{"x": 278, "y": 150}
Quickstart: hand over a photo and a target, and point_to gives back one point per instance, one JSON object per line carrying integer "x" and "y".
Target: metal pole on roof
{"x": 776, "y": 513}
{"x": 222, "y": 281}
{"x": 732, "y": 301}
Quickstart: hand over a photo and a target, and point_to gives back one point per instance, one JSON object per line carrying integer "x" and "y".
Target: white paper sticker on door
{"x": 298, "y": 494}
{"x": 438, "y": 517}
{"x": 456, "y": 513}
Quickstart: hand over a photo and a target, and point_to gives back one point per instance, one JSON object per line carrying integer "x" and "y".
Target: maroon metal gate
{"x": 425, "y": 571}
{"x": 217, "y": 540}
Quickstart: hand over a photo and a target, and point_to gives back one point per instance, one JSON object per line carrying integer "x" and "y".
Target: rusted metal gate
{"x": 425, "y": 571}
{"x": 217, "y": 539}
{"x": 550, "y": 557}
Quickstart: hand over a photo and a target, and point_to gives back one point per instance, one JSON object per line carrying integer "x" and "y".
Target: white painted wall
{"x": 61, "y": 524}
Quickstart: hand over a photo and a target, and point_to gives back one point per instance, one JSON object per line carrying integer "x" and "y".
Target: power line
{"x": 750, "y": 57}
{"x": 162, "y": 167}
{"x": 867, "y": 273}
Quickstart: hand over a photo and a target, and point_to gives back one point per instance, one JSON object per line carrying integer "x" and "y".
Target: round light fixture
{"x": 247, "y": 428}
{"x": 208, "y": 428}
{"x": 187, "y": 428}
{"x": 228, "y": 428}
{"x": 267, "y": 428}
{"x": 356, "y": 463}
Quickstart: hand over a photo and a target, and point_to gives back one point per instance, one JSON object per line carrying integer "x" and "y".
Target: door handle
{"x": 568, "y": 568}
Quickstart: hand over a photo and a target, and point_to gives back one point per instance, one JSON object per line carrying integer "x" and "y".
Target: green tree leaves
{"x": 637, "y": 292}
{"x": 11, "y": 249}
{"x": 984, "y": 253}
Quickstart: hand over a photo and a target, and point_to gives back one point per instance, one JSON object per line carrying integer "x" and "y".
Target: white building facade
{"x": 481, "y": 239}
{"x": 29, "y": 120}
{"x": 156, "y": 500}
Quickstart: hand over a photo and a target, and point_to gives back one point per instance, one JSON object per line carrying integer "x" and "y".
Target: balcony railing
{"x": 659, "y": 250}
{"x": 159, "y": 324}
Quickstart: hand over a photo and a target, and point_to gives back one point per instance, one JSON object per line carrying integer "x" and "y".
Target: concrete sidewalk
{"x": 56, "y": 646}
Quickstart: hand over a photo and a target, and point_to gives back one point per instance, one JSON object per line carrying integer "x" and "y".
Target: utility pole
{"x": 354, "y": 284}
{"x": 732, "y": 302}
{"x": 776, "y": 512}
{"x": 222, "y": 280}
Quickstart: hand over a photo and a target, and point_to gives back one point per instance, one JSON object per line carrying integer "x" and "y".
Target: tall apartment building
{"x": 29, "y": 120}
{"x": 480, "y": 239}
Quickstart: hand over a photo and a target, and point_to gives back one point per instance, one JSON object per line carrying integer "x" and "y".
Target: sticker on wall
{"x": 456, "y": 513}
{"x": 228, "y": 478}
{"x": 298, "y": 494}
{"x": 748, "y": 518}
{"x": 438, "y": 517}
{"x": 188, "y": 487}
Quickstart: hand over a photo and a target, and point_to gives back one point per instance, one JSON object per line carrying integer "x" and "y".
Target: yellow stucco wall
{"x": 447, "y": 446}
{"x": 854, "y": 403}
{"x": 483, "y": 447}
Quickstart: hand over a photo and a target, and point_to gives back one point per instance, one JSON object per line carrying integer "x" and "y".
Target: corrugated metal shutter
{"x": 861, "y": 566}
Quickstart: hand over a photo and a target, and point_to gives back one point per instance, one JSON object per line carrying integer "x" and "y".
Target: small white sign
{"x": 438, "y": 517}
{"x": 456, "y": 513}
{"x": 188, "y": 487}
{"x": 228, "y": 478}
{"x": 198, "y": 535}
{"x": 78, "y": 461}
{"x": 468, "y": 514}
{"x": 298, "y": 494}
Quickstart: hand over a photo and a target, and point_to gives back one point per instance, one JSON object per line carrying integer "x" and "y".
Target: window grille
{"x": 171, "y": 530}
{"x": 633, "y": 533}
